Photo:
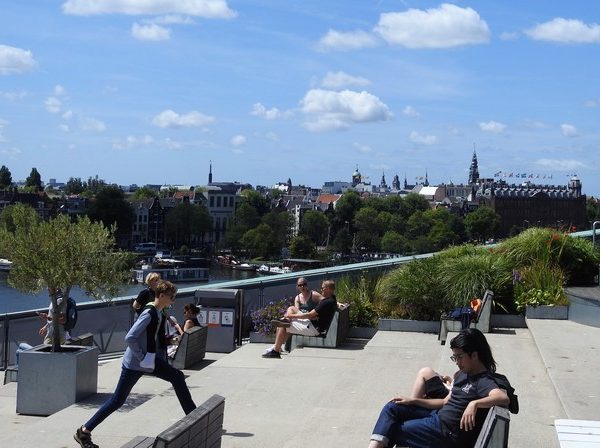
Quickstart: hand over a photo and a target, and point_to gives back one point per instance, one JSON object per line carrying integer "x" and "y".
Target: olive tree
{"x": 57, "y": 255}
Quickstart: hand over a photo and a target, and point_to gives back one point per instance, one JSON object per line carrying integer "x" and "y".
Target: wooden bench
{"x": 201, "y": 428}
{"x": 330, "y": 338}
{"x": 85, "y": 339}
{"x": 481, "y": 321}
{"x": 191, "y": 349}
{"x": 577, "y": 433}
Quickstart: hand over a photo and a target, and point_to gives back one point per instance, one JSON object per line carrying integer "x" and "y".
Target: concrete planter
{"x": 261, "y": 338}
{"x": 49, "y": 382}
{"x": 547, "y": 312}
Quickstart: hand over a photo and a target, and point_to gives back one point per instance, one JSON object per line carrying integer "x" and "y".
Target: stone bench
{"x": 333, "y": 337}
{"x": 577, "y": 433}
{"x": 201, "y": 428}
{"x": 191, "y": 349}
{"x": 481, "y": 321}
{"x": 494, "y": 432}
{"x": 85, "y": 339}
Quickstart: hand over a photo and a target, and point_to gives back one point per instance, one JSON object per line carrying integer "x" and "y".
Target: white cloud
{"x": 13, "y": 96}
{"x": 492, "y": 126}
{"x": 67, "y": 115}
{"x": 353, "y": 40}
{"x": 131, "y": 142}
{"x": 53, "y": 105}
{"x": 259, "y": 110}
{"x": 568, "y": 130}
{"x": 509, "y": 36}
{"x": 171, "y": 119}
{"x": 331, "y": 110}
{"x": 362, "y": 148}
{"x": 91, "y": 124}
{"x": 567, "y": 31}
{"x": 172, "y": 144}
{"x": 172, "y": 19}
{"x": 442, "y": 27}
{"x": 59, "y": 90}
{"x": 15, "y": 60}
{"x": 150, "y": 32}
{"x": 560, "y": 164}
{"x": 64, "y": 127}
{"x": 10, "y": 152}
{"x": 238, "y": 140}
{"x": 209, "y": 9}
{"x": 410, "y": 111}
{"x": 415, "y": 137}
{"x": 592, "y": 103}
{"x": 341, "y": 79}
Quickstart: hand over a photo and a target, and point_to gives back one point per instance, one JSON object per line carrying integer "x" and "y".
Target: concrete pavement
{"x": 331, "y": 397}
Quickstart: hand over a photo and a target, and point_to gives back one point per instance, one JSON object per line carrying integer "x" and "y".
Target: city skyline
{"x": 148, "y": 92}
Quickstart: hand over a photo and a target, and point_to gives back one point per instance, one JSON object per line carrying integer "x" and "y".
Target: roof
{"x": 328, "y": 198}
{"x": 428, "y": 191}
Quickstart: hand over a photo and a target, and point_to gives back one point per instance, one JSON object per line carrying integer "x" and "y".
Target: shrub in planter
{"x": 413, "y": 291}
{"x": 359, "y": 293}
{"x": 262, "y": 317}
{"x": 540, "y": 284}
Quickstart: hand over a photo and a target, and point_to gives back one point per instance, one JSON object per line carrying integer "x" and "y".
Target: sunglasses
{"x": 300, "y": 285}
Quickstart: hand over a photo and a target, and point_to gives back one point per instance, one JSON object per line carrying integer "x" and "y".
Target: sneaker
{"x": 272, "y": 354}
{"x": 84, "y": 439}
{"x": 283, "y": 322}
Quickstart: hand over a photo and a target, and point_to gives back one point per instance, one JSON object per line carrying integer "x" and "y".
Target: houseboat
{"x": 174, "y": 270}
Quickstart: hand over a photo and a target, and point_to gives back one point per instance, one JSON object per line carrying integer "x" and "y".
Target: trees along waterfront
{"x": 59, "y": 254}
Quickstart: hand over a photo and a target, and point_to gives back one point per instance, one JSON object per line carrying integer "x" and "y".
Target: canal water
{"x": 12, "y": 300}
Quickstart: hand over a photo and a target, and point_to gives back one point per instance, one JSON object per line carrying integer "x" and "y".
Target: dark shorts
{"x": 434, "y": 388}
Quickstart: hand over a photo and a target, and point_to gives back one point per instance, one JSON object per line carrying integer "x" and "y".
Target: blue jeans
{"x": 412, "y": 426}
{"x": 128, "y": 379}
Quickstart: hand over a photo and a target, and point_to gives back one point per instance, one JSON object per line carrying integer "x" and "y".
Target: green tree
{"x": 260, "y": 242}
{"x": 314, "y": 225}
{"x": 415, "y": 202}
{"x": 74, "y": 186}
{"x": 302, "y": 246}
{"x": 419, "y": 224}
{"x": 256, "y": 200}
{"x": 346, "y": 208}
{"x": 18, "y": 216}
{"x": 34, "y": 180}
{"x": 5, "y": 178}
{"x": 394, "y": 242}
{"x": 93, "y": 186}
{"x": 144, "y": 193}
{"x": 279, "y": 222}
{"x": 187, "y": 221}
{"x": 343, "y": 241}
{"x": 482, "y": 223}
{"x": 592, "y": 210}
{"x": 247, "y": 216}
{"x": 111, "y": 208}
{"x": 59, "y": 254}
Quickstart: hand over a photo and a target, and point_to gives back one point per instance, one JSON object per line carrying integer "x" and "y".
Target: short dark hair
{"x": 472, "y": 340}
{"x": 191, "y": 307}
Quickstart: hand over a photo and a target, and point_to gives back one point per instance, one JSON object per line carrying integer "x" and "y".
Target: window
{"x": 212, "y": 201}
{"x": 231, "y": 201}
{"x": 218, "y": 201}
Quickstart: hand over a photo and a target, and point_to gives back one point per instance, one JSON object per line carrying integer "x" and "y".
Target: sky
{"x": 149, "y": 91}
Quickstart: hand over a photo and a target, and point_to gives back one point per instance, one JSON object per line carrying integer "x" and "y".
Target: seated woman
{"x": 190, "y": 315}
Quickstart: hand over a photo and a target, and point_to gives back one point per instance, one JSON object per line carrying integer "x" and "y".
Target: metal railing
{"x": 110, "y": 321}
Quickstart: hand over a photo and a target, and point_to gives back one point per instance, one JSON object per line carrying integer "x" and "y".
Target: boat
{"x": 231, "y": 262}
{"x": 272, "y": 270}
{"x": 173, "y": 270}
{"x": 5, "y": 265}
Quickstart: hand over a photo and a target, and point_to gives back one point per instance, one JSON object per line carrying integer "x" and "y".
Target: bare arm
{"x": 496, "y": 397}
{"x": 188, "y": 324}
{"x": 428, "y": 403}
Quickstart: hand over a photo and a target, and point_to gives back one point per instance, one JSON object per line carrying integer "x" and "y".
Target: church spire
{"x": 210, "y": 172}
{"x": 473, "y": 169}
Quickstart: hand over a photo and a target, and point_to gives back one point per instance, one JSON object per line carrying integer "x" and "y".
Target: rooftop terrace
{"x": 338, "y": 392}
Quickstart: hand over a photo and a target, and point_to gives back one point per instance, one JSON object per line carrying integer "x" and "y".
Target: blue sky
{"x": 148, "y": 91}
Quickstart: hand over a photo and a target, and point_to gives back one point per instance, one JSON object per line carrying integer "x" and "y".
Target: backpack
{"x": 71, "y": 314}
{"x": 503, "y": 383}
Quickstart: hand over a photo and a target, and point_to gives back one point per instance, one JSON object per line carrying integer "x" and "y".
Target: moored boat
{"x": 272, "y": 270}
{"x": 5, "y": 265}
{"x": 174, "y": 270}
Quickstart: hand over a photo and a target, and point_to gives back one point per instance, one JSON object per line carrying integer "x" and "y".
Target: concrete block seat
{"x": 330, "y": 338}
{"x": 191, "y": 349}
{"x": 201, "y": 428}
{"x": 481, "y": 321}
